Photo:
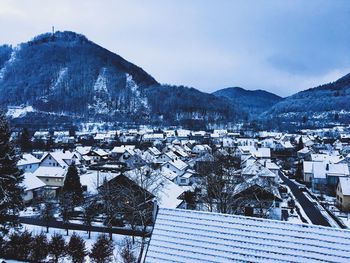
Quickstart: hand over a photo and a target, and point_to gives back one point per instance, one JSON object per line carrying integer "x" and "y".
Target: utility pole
{"x": 53, "y": 30}
{"x": 98, "y": 178}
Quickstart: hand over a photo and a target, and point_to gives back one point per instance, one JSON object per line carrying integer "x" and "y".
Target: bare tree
{"x": 65, "y": 208}
{"x": 219, "y": 179}
{"x": 130, "y": 196}
{"x": 89, "y": 213}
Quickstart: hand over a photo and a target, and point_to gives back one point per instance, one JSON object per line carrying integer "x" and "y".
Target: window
{"x": 49, "y": 157}
{"x": 341, "y": 200}
{"x": 47, "y": 180}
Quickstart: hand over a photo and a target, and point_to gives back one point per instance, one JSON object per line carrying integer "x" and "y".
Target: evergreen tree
{"x": 49, "y": 143}
{"x": 10, "y": 178}
{"x": 25, "y": 140}
{"x": 300, "y": 144}
{"x": 2, "y": 246}
{"x": 72, "y": 131}
{"x": 18, "y": 246}
{"x": 39, "y": 249}
{"x": 299, "y": 171}
{"x": 73, "y": 186}
{"x": 12, "y": 246}
{"x": 102, "y": 250}
{"x": 24, "y": 249}
{"x": 76, "y": 249}
{"x": 57, "y": 247}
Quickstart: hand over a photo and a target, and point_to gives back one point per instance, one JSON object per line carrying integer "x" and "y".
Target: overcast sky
{"x": 279, "y": 46}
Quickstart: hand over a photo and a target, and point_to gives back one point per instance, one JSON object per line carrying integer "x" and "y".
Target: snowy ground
{"x": 344, "y": 217}
{"x": 118, "y": 241}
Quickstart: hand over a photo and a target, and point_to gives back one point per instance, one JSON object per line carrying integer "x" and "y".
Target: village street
{"x": 310, "y": 209}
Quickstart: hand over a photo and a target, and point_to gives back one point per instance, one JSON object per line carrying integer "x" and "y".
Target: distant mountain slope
{"x": 252, "y": 101}
{"x": 326, "y": 103}
{"x": 5, "y": 55}
{"x": 65, "y": 74}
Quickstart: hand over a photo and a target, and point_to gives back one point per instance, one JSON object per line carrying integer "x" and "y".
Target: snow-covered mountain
{"x": 64, "y": 78}
{"x": 65, "y": 74}
{"x": 329, "y": 103}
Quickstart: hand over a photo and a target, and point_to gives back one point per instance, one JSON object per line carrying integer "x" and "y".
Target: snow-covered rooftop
{"x": 31, "y": 182}
{"x": 165, "y": 191}
{"x": 47, "y": 171}
{"x": 322, "y": 169}
{"x": 122, "y": 148}
{"x": 192, "y": 236}
{"x": 28, "y": 159}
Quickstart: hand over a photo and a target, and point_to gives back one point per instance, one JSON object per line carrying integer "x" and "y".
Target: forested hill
{"x": 329, "y": 103}
{"x": 253, "y": 102}
{"x": 68, "y": 75}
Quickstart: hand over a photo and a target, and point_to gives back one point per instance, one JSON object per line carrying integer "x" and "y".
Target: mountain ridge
{"x": 252, "y": 101}
{"x": 65, "y": 77}
{"x": 327, "y": 103}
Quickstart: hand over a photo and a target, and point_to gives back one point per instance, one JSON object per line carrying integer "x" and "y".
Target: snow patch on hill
{"x": 139, "y": 101}
{"x": 101, "y": 82}
{"x": 61, "y": 75}
{"x": 18, "y": 111}
{"x": 101, "y": 96}
{"x": 10, "y": 61}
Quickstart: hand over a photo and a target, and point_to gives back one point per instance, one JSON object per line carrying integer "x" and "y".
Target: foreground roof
{"x": 193, "y": 236}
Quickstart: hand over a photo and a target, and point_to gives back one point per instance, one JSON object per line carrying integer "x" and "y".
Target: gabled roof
{"x": 154, "y": 151}
{"x": 31, "y": 182}
{"x": 123, "y": 148}
{"x": 60, "y": 157}
{"x": 322, "y": 169}
{"x": 165, "y": 191}
{"x": 83, "y": 150}
{"x": 178, "y": 164}
{"x": 195, "y": 237}
{"x": 305, "y": 150}
{"x": 28, "y": 159}
{"x": 171, "y": 155}
{"x": 44, "y": 171}
{"x": 327, "y": 157}
{"x": 100, "y": 152}
{"x": 260, "y": 182}
{"x": 257, "y": 169}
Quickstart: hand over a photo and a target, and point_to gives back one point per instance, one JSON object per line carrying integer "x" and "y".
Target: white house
{"x": 176, "y": 166}
{"x": 33, "y": 187}
{"x": 57, "y": 159}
